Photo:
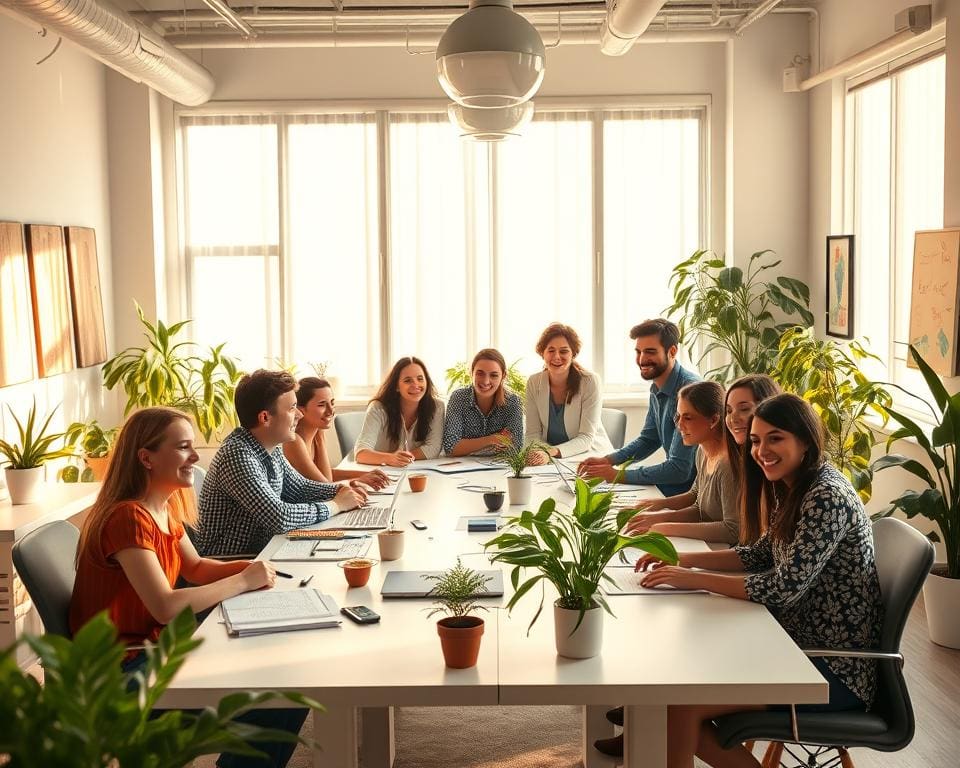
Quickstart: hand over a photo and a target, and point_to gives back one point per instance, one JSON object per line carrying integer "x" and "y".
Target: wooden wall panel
{"x": 17, "y": 350}
{"x": 89, "y": 335}
{"x": 50, "y": 285}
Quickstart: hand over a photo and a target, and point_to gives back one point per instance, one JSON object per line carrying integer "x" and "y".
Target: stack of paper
{"x": 278, "y": 610}
{"x": 322, "y": 550}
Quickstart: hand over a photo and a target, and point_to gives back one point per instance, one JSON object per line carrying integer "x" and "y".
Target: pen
{"x": 284, "y": 575}
{"x": 448, "y": 463}
{"x": 304, "y": 582}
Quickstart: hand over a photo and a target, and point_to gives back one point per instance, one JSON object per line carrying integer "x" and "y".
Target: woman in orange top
{"x": 133, "y": 548}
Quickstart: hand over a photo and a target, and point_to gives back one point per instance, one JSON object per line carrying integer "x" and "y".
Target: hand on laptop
{"x": 376, "y": 480}
{"x": 348, "y": 498}
{"x": 597, "y": 466}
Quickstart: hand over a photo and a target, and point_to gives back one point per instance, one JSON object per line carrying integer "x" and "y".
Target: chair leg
{"x": 845, "y": 760}
{"x": 771, "y": 758}
{"x": 749, "y": 745}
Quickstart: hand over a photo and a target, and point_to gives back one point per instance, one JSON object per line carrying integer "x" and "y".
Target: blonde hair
{"x": 127, "y": 479}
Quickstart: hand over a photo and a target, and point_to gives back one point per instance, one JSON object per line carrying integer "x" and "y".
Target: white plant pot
{"x": 586, "y": 641}
{"x": 519, "y": 489}
{"x": 941, "y": 599}
{"x": 25, "y": 485}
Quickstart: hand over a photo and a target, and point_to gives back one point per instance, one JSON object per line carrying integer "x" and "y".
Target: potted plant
{"x": 517, "y": 459}
{"x": 85, "y": 715}
{"x": 171, "y": 372}
{"x": 827, "y": 375}
{"x": 95, "y": 443}
{"x": 939, "y": 502}
{"x": 570, "y": 550}
{"x": 25, "y": 458}
{"x": 460, "y": 633}
{"x": 732, "y": 311}
{"x": 322, "y": 369}
{"x": 459, "y": 375}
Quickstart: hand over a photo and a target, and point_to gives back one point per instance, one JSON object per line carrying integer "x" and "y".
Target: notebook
{"x": 278, "y": 610}
{"x": 370, "y": 517}
{"x": 322, "y": 550}
{"x": 412, "y": 584}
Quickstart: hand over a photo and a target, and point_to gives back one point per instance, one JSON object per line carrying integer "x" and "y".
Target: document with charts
{"x": 278, "y": 610}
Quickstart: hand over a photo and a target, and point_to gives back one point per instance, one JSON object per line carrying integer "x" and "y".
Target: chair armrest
{"x": 851, "y": 653}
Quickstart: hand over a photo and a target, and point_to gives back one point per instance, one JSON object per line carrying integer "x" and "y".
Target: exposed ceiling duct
{"x": 122, "y": 43}
{"x": 626, "y": 21}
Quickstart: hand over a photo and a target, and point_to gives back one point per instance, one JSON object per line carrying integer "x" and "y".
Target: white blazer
{"x": 581, "y": 416}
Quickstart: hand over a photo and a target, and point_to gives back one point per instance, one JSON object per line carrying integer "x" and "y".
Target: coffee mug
{"x": 493, "y": 500}
{"x": 391, "y": 544}
{"x": 417, "y": 482}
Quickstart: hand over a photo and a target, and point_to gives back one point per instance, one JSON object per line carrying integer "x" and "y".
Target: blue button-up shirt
{"x": 674, "y": 475}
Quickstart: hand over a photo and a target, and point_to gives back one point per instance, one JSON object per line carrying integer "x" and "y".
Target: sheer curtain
{"x": 231, "y": 234}
{"x": 652, "y": 182}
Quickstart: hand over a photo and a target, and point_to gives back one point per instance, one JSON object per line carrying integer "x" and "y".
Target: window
{"x": 896, "y": 126}
{"x": 364, "y": 236}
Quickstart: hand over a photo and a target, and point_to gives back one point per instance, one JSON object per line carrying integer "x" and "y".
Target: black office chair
{"x": 45, "y": 559}
{"x": 904, "y": 557}
{"x": 348, "y": 426}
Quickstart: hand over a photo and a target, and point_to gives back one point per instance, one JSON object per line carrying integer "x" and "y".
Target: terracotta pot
{"x": 460, "y": 640}
{"x": 357, "y": 570}
{"x": 941, "y": 598}
{"x": 98, "y": 465}
{"x": 25, "y": 485}
{"x": 418, "y": 483}
{"x": 584, "y": 642}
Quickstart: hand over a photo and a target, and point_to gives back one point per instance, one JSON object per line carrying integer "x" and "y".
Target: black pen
{"x": 304, "y": 582}
{"x": 284, "y": 575}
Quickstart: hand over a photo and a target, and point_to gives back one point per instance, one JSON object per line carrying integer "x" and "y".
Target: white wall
{"x": 53, "y": 152}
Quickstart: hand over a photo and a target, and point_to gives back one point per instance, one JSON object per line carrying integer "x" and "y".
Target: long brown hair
{"x": 389, "y": 397}
{"x": 126, "y": 479}
{"x": 792, "y": 414}
{"x": 494, "y": 356}
{"x": 706, "y": 397}
{"x": 576, "y": 370}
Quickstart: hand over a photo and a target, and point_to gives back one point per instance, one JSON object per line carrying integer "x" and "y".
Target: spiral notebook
{"x": 278, "y": 610}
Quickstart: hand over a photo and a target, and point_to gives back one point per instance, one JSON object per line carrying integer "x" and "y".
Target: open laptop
{"x": 412, "y": 584}
{"x": 563, "y": 471}
{"x": 371, "y": 517}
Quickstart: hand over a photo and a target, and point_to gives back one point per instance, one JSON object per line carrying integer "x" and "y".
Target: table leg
{"x": 595, "y": 726}
{"x": 377, "y": 746}
{"x": 335, "y": 732}
{"x": 645, "y": 737}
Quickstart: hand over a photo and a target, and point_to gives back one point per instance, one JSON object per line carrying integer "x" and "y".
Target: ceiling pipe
{"x": 755, "y": 15}
{"x": 120, "y": 42}
{"x": 230, "y": 16}
{"x": 626, "y": 21}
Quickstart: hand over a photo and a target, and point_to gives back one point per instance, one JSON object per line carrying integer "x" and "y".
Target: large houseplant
{"x": 25, "y": 457}
{"x": 570, "y": 550}
{"x": 172, "y": 372}
{"x": 827, "y": 375}
{"x": 460, "y": 633}
{"x": 84, "y": 715}
{"x": 939, "y": 501}
{"x": 734, "y": 312}
{"x": 517, "y": 459}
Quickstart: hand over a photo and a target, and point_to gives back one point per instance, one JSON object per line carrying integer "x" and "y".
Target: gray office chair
{"x": 45, "y": 559}
{"x": 348, "y": 427}
{"x": 904, "y": 558}
{"x": 199, "y": 475}
{"x": 615, "y": 424}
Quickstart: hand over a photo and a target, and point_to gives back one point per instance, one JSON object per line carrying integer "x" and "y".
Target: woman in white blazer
{"x": 563, "y": 401}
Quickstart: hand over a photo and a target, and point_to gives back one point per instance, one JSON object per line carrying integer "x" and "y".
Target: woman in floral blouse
{"x": 813, "y": 568}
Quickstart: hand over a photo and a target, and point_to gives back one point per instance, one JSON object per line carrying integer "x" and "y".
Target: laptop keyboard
{"x": 365, "y": 517}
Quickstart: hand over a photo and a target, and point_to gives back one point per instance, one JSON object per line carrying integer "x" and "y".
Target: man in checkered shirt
{"x": 251, "y": 493}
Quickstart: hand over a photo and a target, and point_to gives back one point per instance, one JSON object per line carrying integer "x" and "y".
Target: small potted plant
{"x": 96, "y": 443}
{"x": 517, "y": 459}
{"x": 570, "y": 550}
{"x": 460, "y": 633}
{"x": 25, "y": 473}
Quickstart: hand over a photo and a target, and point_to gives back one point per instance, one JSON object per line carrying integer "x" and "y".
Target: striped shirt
{"x": 250, "y": 495}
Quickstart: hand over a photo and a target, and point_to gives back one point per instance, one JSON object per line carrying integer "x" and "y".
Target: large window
{"x": 896, "y": 125}
{"x": 356, "y": 238}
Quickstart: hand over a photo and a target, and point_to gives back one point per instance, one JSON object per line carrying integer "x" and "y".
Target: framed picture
{"x": 933, "y": 298}
{"x": 840, "y": 286}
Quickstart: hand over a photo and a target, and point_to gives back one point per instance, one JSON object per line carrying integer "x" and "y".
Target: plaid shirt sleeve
{"x": 298, "y": 489}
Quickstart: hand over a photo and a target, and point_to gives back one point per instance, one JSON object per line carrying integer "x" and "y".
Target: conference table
{"x": 659, "y": 650}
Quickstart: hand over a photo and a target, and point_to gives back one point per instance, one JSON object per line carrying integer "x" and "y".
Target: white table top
{"x": 58, "y": 502}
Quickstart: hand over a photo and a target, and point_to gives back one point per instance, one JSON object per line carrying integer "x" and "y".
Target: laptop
{"x": 370, "y": 517}
{"x": 412, "y": 584}
{"x": 567, "y": 483}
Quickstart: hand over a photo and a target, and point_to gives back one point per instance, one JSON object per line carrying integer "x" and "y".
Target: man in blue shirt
{"x": 656, "y": 345}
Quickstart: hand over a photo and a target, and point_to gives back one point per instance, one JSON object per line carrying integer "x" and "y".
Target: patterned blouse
{"x": 465, "y": 420}
{"x": 823, "y": 586}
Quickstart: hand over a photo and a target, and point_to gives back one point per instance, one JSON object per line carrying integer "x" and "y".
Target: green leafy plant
{"x": 460, "y": 376}
{"x": 34, "y": 445}
{"x": 171, "y": 372}
{"x": 453, "y": 590}
{"x": 84, "y": 714}
{"x": 732, "y": 311}
{"x": 517, "y": 459}
{"x": 827, "y": 375}
{"x": 571, "y": 549}
{"x": 939, "y": 502}
{"x": 95, "y": 441}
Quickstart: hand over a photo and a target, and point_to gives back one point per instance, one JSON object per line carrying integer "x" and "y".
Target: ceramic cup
{"x": 494, "y": 500}
{"x": 357, "y": 570}
{"x": 391, "y": 545}
{"x": 417, "y": 482}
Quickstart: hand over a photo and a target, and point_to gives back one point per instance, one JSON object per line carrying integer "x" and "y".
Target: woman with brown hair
{"x": 563, "y": 401}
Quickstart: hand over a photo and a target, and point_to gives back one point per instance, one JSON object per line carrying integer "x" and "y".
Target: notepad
{"x": 627, "y": 582}
{"x": 321, "y": 550}
{"x": 278, "y": 610}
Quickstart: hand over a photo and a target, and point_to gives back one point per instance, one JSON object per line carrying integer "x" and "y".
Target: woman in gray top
{"x": 709, "y": 510}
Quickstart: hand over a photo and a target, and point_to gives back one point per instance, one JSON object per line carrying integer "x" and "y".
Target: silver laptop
{"x": 562, "y": 470}
{"x": 412, "y": 584}
{"x": 370, "y": 517}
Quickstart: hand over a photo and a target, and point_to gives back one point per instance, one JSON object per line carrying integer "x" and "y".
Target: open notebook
{"x": 278, "y": 610}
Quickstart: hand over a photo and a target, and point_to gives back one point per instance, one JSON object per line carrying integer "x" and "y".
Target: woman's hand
{"x": 400, "y": 458}
{"x": 377, "y": 479}
{"x": 651, "y": 505}
{"x": 672, "y": 576}
{"x": 257, "y": 575}
{"x": 648, "y": 562}
{"x": 638, "y": 524}
{"x": 536, "y": 459}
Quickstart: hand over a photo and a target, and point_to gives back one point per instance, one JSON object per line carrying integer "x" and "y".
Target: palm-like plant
{"x": 517, "y": 459}
{"x": 571, "y": 549}
{"x": 34, "y": 446}
{"x": 454, "y": 589}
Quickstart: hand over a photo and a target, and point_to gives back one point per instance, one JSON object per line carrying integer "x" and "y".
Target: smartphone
{"x": 419, "y": 525}
{"x": 360, "y": 614}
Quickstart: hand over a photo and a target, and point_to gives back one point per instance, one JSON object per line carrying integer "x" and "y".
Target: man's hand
{"x": 348, "y": 498}
{"x": 604, "y": 471}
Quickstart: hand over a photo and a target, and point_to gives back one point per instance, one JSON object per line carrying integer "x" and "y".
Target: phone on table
{"x": 419, "y": 525}
{"x": 360, "y": 614}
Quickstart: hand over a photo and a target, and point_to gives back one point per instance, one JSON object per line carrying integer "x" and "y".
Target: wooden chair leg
{"x": 771, "y": 758}
{"x": 845, "y": 760}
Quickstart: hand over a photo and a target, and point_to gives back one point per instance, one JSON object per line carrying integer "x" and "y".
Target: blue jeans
{"x": 278, "y": 753}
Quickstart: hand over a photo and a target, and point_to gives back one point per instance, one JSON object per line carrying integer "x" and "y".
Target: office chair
{"x": 199, "y": 475}
{"x": 904, "y": 557}
{"x": 348, "y": 427}
{"x": 615, "y": 425}
{"x": 45, "y": 559}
